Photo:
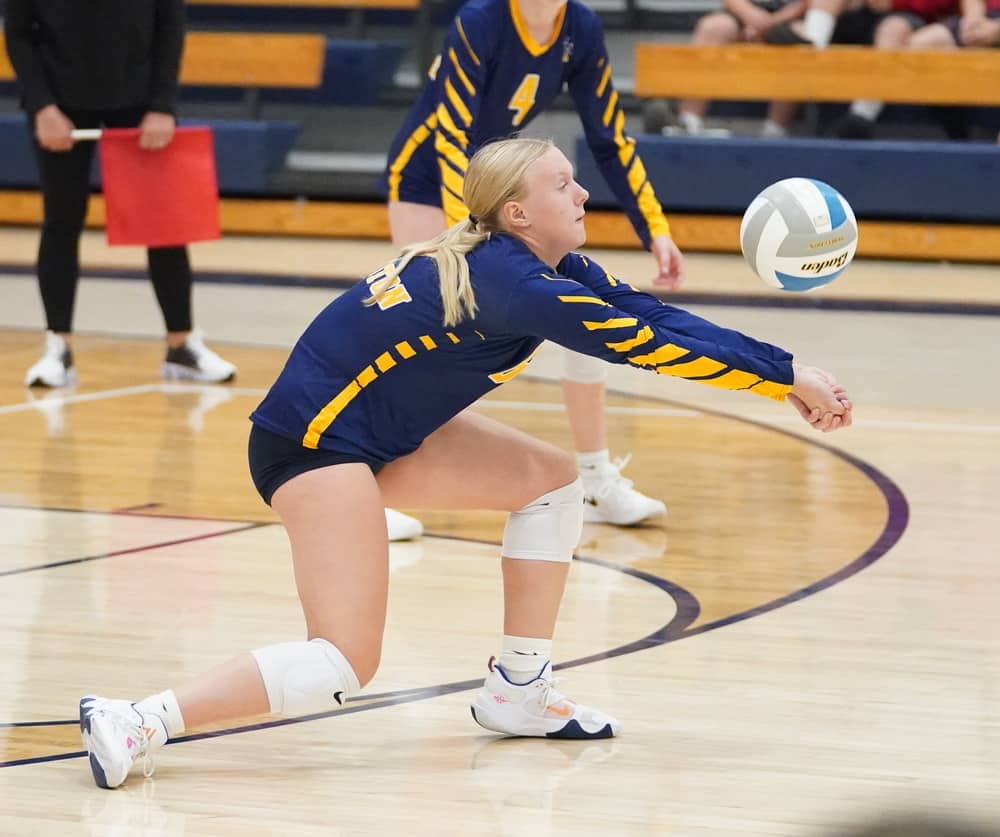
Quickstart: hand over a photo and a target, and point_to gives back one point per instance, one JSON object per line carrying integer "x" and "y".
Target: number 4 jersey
{"x": 489, "y": 81}
{"x": 376, "y": 380}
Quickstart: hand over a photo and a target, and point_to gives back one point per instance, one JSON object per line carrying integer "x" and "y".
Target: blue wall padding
{"x": 246, "y": 153}
{"x": 942, "y": 181}
{"x": 353, "y": 74}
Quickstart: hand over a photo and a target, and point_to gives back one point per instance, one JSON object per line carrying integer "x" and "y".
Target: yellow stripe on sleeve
{"x": 457, "y": 103}
{"x": 593, "y": 300}
{"x": 452, "y": 337}
{"x": 772, "y": 389}
{"x": 733, "y": 379}
{"x": 636, "y": 175}
{"x": 452, "y": 153}
{"x": 605, "y": 77}
{"x": 428, "y": 342}
{"x": 693, "y": 368}
{"x": 651, "y": 210}
{"x": 406, "y": 351}
{"x": 614, "y": 322}
{"x": 626, "y": 151}
{"x": 661, "y": 354}
{"x": 446, "y": 122}
{"x": 367, "y": 376}
{"x": 451, "y": 179}
{"x": 620, "y": 127}
{"x": 462, "y": 77}
{"x": 610, "y": 109}
{"x": 324, "y": 418}
{"x": 465, "y": 40}
{"x": 644, "y": 335}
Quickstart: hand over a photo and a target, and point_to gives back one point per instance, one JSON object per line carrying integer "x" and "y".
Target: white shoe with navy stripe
{"x": 536, "y": 709}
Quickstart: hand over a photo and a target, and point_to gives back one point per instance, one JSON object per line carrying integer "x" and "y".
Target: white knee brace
{"x": 584, "y": 369}
{"x": 547, "y": 529}
{"x": 302, "y": 678}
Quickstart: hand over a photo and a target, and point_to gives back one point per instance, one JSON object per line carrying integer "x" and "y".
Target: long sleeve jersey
{"x": 377, "y": 380}
{"x": 96, "y": 55}
{"x": 492, "y": 78}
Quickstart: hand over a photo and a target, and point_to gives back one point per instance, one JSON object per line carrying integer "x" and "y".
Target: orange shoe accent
{"x": 563, "y": 710}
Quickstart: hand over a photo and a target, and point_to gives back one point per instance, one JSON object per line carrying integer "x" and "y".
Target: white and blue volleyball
{"x": 799, "y": 234}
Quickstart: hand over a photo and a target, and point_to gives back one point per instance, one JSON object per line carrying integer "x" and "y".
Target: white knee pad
{"x": 584, "y": 369}
{"x": 302, "y": 677}
{"x": 547, "y": 529}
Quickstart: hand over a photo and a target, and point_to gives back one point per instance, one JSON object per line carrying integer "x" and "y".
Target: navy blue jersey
{"x": 377, "y": 380}
{"x": 490, "y": 80}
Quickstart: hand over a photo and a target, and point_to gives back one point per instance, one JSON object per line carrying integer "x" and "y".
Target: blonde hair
{"x": 495, "y": 176}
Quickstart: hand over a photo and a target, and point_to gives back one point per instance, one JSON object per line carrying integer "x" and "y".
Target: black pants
{"x": 64, "y": 178}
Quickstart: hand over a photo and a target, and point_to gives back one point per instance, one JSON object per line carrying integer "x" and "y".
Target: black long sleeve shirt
{"x": 96, "y": 54}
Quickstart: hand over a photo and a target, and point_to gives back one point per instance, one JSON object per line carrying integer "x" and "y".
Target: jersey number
{"x": 523, "y": 99}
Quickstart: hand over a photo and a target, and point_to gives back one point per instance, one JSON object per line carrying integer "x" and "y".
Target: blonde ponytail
{"x": 494, "y": 176}
{"x": 448, "y": 251}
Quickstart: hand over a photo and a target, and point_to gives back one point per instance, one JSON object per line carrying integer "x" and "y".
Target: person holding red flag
{"x": 113, "y": 64}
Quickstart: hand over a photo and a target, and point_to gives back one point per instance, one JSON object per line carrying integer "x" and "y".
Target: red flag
{"x": 160, "y": 198}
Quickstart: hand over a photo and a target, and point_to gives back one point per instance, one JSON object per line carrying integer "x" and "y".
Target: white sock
{"x": 867, "y": 109}
{"x": 691, "y": 122}
{"x": 162, "y": 707}
{"x": 591, "y": 463}
{"x": 818, "y": 27}
{"x": 522, "y": 657}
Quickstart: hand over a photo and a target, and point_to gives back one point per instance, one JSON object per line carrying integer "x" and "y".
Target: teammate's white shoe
{"x": 55, "y": 367}
{"x": 114, "y": 736}
{"x": 608, "y": 497}
{"x": 194, "y": 361}
{"x": 401, "y": 526}
{"x": 536, "y": 709}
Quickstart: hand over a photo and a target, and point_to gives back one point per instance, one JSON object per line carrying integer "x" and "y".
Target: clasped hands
{"x": 820, "y": 399}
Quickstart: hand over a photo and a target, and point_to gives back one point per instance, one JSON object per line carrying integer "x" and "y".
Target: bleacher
{"x": 279, "y": 80}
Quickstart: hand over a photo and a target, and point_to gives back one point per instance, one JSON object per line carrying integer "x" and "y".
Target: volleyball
{"x": 799, "y": 234}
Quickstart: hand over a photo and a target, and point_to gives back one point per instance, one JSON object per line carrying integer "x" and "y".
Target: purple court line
{"x": 134, "y": 511}
{"x": 130, "y": 551}
{"x": 677, "y": 628}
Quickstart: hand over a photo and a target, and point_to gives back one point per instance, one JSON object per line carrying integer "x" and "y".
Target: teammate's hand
{"x": 156, "y": 130}
{"x": 52, "y": 129}
{"x": 669, "y": 262}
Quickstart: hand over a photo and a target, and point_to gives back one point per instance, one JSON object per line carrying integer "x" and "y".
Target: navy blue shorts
{"x": 274, "y": 460}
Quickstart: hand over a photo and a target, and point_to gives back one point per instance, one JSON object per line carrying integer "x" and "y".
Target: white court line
{"x": 54, "y": 400}
{"x": 540, "y": 406}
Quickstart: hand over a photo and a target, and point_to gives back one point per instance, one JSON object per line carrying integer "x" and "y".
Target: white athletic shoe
{"x": 610, "y": 498}
{"x": 401, "y": 526}
{"x": 536, "y": 709}
{"x": 55, "y": 368}
{"x": 114, "y": 736}
{"x": 194, "y": 361}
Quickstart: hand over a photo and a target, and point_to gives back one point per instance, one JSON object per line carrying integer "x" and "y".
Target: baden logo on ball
{"x": 799, "y": 234}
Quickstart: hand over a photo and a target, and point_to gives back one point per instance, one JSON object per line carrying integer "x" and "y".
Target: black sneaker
{"x": 194, "y": 361}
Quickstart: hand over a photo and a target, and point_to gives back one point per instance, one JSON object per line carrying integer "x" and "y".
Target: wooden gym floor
{"x": 810, "y": 638}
